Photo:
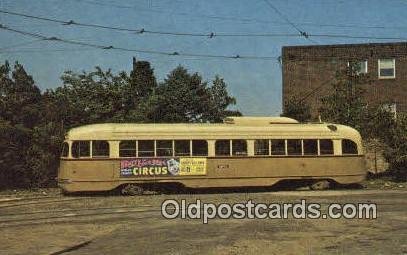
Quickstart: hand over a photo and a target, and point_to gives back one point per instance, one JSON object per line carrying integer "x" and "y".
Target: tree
{"x": 33, "y": 125}
{"x": 185, "y": 97}
{"x": 140, "y": 93}
{"x": 20, "y": 104}
{"x": 297, "y": 109}
{"x": 93, "y": 97}
{"x": 219, "y": 101}
{"x": 346, "y": 105}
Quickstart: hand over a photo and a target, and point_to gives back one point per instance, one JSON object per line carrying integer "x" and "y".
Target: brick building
{"x": 309, "y": 71}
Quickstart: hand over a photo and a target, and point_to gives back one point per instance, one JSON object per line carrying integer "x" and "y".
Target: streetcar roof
{"x": 243, "y": 130}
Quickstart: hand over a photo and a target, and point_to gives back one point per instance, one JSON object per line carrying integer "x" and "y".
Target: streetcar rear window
{"x": 65, "y": 150}
{"x": 145, "y": 148}
{"x": 310, "y": 147}
{"x": 326, "y": 147}
{"x": 164, "y": 148}
{"x": 182, "y": 147}
{"x": 128, "y": 149}
{"x": 349, "y": 147}
{"x": 222, "y": 148}
{"x": 100, "y": 149}
{"x": 294, "y": 147}
{"x": 239, "y": 148}
{"x": 277, "y": 147}
{"x": 261, "y": 147}
{"x": 81, "y": 149}
{"x": 199, "y": 148}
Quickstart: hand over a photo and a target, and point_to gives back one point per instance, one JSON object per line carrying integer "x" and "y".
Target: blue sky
{"x": 256, "y": 84}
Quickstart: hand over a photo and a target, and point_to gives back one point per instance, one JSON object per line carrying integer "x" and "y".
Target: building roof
{"x": 346, "y": 45}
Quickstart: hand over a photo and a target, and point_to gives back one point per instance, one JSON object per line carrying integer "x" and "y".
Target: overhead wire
{"x": 111, "y": 47}
{"x": 300, "y": 31}
{"x": 207, "y": 35}
{"x": 240, "y": 19}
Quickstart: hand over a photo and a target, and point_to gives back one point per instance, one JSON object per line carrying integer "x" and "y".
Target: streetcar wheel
{"x": 132, "y": 190}
{"x": 320, "y": 185}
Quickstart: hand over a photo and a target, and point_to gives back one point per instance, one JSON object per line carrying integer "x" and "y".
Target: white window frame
{"x": 366, "y": 66}
{"x": 394, "y": 68}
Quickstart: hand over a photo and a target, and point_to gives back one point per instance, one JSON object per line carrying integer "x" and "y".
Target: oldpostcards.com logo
{"x": 172, "y": 209}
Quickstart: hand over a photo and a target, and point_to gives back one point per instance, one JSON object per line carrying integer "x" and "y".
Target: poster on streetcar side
{"x": 162, "y": 167}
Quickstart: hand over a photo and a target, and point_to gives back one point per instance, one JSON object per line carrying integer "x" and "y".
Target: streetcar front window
{"x": 65, "y": 150}
{"x": 349, "y": 147}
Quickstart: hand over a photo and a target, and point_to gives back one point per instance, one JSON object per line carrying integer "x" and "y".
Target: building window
{"x": 261, "y": 147}
{"x": 164, "y": 148}
{"x": 387, "y": 68}
{"x": 222, "y": 148}
{"x": 146, "y": 148}
{"x": 127, "y": 149}
{"x": 182, "y": 147}
{"x": 359, "y": 66}
{"x": 239, "y": 148}
{"x": 199, "y": 148}
{"x": 81, "y": 149}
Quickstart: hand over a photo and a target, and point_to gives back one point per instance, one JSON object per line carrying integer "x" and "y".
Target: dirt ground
{"x": 46, "y": 222}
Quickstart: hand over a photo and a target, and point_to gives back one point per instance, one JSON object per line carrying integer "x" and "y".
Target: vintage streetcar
{"x": 241, "y": 152}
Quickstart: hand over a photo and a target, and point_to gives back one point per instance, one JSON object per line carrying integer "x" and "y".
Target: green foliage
{"x": 33, "y": 125}
{"x": 396, "y": 154}
{"x": 296, "y": 108}
{"x": 20, "y": 116}
{"x": 184, "y": 97}
{"x": 346, "y": 106}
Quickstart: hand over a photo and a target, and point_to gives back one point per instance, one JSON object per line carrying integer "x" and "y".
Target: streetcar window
{"x": 145, "y": 148}
{"x": 128, "y": 149}
{"x": 349, "y": 147}
{"x": 199, "y": 148}
{"x": 222, "y": 148}
{"x": 261, "y": 147}
{"x": 310, "y": 147}
{"x": 182, "y": 148}
{"x": 294, "y": 147}
{"x": 326, "y": 147}
{"x": 100, "y": 149}
{"x": 81, "y": 149}
{"x": 239, "y": 148}
{"x": 164, "y": 148}
{"x": 277, "y": 147}
{"x": 65, "y": 150}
